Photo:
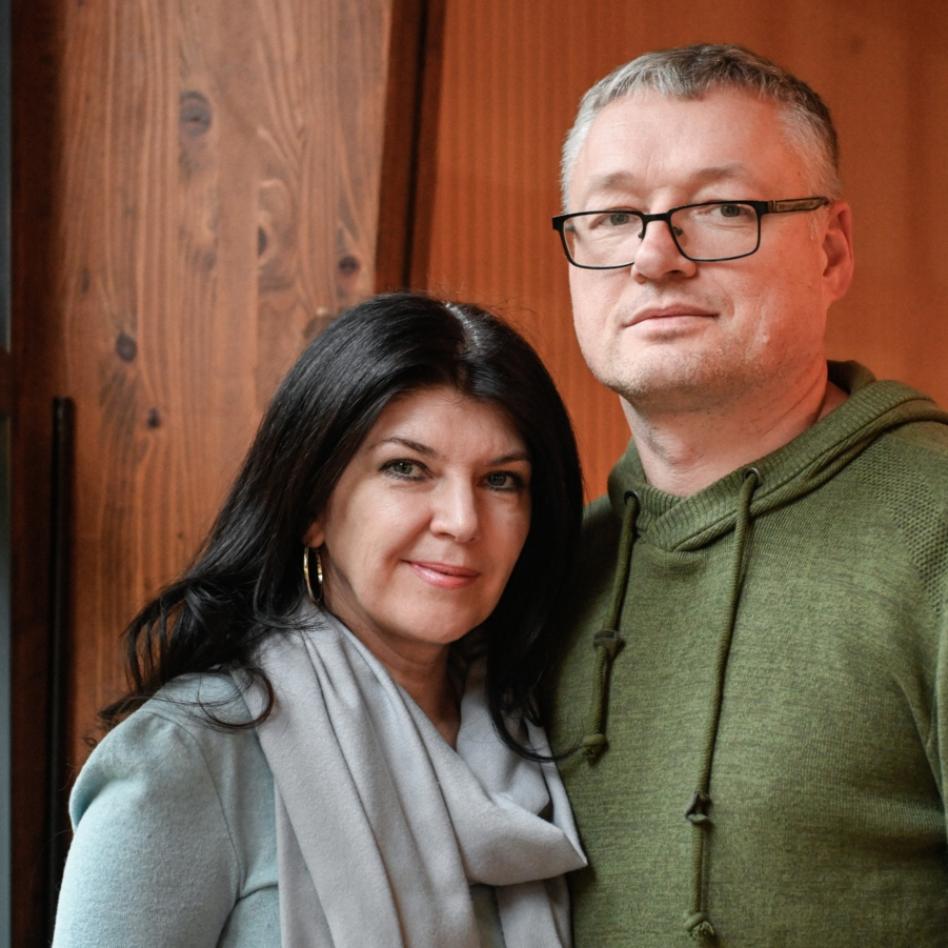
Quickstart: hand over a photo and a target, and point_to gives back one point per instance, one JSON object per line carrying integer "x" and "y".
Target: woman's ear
{"x": 315, "y": 535}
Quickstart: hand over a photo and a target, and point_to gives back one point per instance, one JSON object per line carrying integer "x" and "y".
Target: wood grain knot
{"x": 126, "y": 347}
{"x": 194, "y": 114}
{"x": 349, "y": 265}
{"x": 154, "y": 418}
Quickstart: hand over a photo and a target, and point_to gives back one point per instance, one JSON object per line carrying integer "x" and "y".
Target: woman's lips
{"x": 444, "y": 575}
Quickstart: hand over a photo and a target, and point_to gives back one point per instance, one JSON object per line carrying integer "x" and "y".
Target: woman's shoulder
{"x": 182, "y": 737}
{"x": 170, "y": 807}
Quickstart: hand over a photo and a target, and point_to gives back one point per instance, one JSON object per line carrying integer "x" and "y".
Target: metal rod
{"x": 60, "y": 559}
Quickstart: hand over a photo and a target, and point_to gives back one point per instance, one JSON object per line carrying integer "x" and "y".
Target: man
{"x": 757, "y": 673}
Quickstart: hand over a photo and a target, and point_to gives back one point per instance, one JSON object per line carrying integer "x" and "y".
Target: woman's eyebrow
{"x": 513, "y": 456}
{"x": 428, "y": 451}
{"x": 408, "y": 443}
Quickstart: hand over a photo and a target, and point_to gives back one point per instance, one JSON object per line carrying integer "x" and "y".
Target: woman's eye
{"x": 404, "y": 469}
{"x": 504, "y": 480}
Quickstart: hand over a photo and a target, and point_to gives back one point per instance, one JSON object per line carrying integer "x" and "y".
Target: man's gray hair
{"x": 689, "y": 72}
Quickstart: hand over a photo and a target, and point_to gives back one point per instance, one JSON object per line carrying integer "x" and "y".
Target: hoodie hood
{"x": 803, "y": 465}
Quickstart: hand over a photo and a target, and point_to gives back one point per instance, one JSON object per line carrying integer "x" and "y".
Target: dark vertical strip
{"x": 36, "y": 38}
{"x": 60, "y": 558}
{"x": 405, "y": 46}
{"x": 4, "y": 174}
{"x": 6, "y": 768}
{"x": 425, "y": 143}
{"x": 411, "y": 97}
{"x": 6, "y": 552}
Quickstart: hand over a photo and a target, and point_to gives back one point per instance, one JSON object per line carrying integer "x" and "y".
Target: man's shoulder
{"x": 925, "y": 440}
{"x": 915, "y": 456}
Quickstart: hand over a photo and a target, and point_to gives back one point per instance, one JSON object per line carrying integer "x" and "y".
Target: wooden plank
{"x": 226, "y": 209}
{"x": 198, "y": 194}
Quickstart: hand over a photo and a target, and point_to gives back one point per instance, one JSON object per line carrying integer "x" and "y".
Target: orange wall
{"x": 511, "y": 78}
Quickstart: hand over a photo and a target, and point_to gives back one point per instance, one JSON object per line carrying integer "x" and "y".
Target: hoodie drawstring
{"x": 697, "y": 922}
{"x": 608, "y": 642}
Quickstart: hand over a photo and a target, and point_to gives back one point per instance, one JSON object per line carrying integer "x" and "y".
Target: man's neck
{"x": 682, "y": 452}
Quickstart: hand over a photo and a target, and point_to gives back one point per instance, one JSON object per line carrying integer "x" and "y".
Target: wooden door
{"x": 198, "y": 193}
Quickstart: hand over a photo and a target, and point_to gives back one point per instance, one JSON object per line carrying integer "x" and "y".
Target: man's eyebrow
{"x": 709, "y": 175}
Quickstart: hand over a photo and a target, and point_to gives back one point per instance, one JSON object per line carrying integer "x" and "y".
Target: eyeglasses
{"x": 705, "y": 233}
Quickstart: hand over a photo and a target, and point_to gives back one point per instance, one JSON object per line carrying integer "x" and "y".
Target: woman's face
{"x": 424, "y": 527}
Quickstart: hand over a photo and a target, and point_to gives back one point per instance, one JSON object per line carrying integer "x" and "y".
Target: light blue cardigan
{"x": 175, "y": 836}
{"x": 175, "y": 841}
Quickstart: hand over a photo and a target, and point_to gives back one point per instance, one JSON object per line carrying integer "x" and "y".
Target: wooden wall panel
{"x": 219, "y": 189}
{"x": 512, "y": 76}
{"x": 198, "y": 194}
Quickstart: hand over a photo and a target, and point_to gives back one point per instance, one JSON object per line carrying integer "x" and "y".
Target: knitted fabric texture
{"x": 822, "y": 822}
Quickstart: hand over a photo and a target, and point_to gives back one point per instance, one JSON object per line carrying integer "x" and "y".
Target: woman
{"x": 331, "y": 735}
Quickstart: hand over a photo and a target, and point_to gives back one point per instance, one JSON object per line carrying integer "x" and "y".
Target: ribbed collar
{"x": 687, "y": 523}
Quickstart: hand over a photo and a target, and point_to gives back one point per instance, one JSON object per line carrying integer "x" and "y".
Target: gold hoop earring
{"x": 317, "y": 597}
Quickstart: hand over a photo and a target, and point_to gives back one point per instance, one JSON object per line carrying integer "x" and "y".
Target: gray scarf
{"x": 382, "y": 827}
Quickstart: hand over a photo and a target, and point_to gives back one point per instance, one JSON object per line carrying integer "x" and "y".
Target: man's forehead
{"x": 724, "y": 136}
{"x": 646, "y": 100}
{"x": 625, "y": 179}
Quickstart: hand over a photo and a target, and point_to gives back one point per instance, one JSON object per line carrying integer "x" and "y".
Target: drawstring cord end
{"x": 608, "y": 643}
{"x": 698, "y": 808}
{"x": 594, "y": 746}
{"x": 699, "y": 927}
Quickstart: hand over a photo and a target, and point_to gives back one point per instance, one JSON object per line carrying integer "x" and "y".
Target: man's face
{"x": 675, "y": 334}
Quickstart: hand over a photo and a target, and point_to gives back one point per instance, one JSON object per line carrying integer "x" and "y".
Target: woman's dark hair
{"x": 247, "y": 580}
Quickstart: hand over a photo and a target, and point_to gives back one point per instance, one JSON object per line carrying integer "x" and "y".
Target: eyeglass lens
{"x": 702, "y": 232}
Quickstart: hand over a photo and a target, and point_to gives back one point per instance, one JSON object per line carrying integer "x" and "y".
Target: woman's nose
{"x": 455, "y": 512}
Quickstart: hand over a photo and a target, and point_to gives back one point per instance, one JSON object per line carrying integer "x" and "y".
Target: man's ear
{"x": 315, "y": 535}
{"x": 838, "y": 252}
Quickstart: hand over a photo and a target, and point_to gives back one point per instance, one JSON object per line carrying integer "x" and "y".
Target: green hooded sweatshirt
{"x": 756, "y": 677}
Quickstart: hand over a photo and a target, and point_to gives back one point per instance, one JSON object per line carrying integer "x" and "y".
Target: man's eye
{"x": 734, "y": 211}
{"x": 610, "y": 220}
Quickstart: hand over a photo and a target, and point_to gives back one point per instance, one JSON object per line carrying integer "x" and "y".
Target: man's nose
{"x": 658, "y": 256}
{"x": 455, "y": 511}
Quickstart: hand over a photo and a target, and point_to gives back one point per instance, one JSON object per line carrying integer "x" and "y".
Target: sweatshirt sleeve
{"x": 152, "y": 862}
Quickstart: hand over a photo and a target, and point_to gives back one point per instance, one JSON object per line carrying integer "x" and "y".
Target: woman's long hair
{"x": 247, "y": 580}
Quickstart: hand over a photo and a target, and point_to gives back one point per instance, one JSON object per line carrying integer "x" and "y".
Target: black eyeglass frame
{"x": 783, "y": 206}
